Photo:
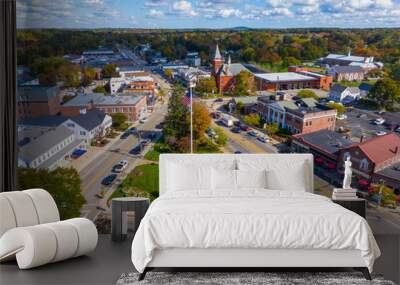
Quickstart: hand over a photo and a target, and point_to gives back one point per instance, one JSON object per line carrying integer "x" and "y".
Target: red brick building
{"x": 132, "y": 106}
{"x": 35, "y": 101}
{"x": 224, "y": 73}
{"x": 375, "y": 159}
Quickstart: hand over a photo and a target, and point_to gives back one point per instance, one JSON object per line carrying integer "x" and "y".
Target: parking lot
{"x": 360, "y": 123}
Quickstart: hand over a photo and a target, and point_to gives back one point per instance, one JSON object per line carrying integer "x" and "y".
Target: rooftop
{"x": 101, "y": 99}
{"x": 325, "y": 140}
{"x": 382, "y": 148}
{"x": 43, "y": 143}
{"x": 392, "y": 171}
{"x": 284, "y": 76}
{"x": 340, "y": 88}
{"x": 347, "y": 69}
{"x": 37, "y": 93}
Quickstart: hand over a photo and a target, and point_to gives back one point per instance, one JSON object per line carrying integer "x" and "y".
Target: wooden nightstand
{"x": 357, "y": 205}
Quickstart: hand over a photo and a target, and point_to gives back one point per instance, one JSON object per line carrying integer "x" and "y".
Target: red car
{"x": 245, "y": 128}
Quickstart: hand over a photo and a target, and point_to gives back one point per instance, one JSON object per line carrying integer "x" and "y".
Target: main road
{"x": 93, "y": 173}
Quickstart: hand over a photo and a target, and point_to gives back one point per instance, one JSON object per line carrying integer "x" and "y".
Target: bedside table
{"x": 119, "y": 207}
{"x": 357, "y": 205}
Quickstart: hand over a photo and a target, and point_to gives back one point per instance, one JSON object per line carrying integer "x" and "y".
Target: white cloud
{"x": 183, "y": 8}
{"x": 155, "y": 13}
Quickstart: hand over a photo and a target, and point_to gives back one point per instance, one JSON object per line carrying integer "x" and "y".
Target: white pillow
{"x": 183, "y": 177}
{"x": 224, "y": 179}
{"x": 293, "y": 179}
{"x": 251, "y": 178}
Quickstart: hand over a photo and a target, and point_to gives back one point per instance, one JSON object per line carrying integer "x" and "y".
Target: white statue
{"x": 347, "y": 174}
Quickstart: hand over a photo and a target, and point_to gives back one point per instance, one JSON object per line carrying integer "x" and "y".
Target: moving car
{"x": 245, "y": 128}
{"x": 132, "y": 130}
{"x": 227, "y": 121}
{"x": 108, "y": 180}
{"x": 120, "y": 166}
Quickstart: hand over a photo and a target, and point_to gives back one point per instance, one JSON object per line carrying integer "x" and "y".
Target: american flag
{"x": 186, "y": 99}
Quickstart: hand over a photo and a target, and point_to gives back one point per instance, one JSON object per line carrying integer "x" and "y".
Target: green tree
{"x": 239, "y": 107}
{"x": 395, "y": 72}
{"x": 64, "y": 185}
{"x": 252, "y": 119}
{"x": 118, "y": 119}
{"x": 244, "y": 84}
{"x": 110, "y": 70}
{"x": 206, "y": 86}
{"x": 339, "y": 107}
{"x": 385, "y": 92}
{"x": 249, "y": 54}
{"x": 100, "y": 89}
{"x": 176, "y": 121}
{"x": 220, "y": 138}
{"x": 306, "y": 93}
{"x": 54, "y": 69}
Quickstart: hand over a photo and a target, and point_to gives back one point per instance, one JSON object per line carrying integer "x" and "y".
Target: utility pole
{"x": 191, "y": 117}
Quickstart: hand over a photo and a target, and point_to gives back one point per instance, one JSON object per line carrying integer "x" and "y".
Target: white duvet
{"x": 250, "y": 219}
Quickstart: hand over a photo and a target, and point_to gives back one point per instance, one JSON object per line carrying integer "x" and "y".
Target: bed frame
{"x": 236, "y": 259}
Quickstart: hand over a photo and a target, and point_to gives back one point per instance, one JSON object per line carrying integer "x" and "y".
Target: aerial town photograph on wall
{"x": 100, "y": 100}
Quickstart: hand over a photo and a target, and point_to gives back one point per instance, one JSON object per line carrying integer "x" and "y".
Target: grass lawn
{"x": 152, "y": 155}
{"x": 142, "y": 181}
{"x": 356, "y": 84}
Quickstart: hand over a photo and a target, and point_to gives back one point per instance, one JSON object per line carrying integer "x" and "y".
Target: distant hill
{"x": 240, "y": 28}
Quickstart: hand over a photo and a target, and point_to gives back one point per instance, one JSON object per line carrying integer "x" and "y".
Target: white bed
{"x": 215, "y": 224}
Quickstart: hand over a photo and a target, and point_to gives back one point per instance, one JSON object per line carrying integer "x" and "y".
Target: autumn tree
{"x": 100, "y": 89}
{"x": 201, "y": 119}
{"x": 168, "y": 73}
{"x": 63, "y": 184}
{"x": 252, "y": 119}
{"x": 89, "y": 74}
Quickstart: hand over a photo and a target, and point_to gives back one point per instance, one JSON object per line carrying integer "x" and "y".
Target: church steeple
{"x": 217, "y": 54}
{"x": 217, "y": 61}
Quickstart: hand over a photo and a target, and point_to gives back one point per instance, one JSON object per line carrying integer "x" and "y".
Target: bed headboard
{"x": 211, "y": 159}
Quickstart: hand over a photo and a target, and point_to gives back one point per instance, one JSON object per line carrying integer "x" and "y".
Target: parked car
{"x": 238, "y": 152}
{"x": 252, "y": 133}
{"x": 379, "y": 121}
{"x": 143, "y": 120}
{"x": 237, "y": 123}
{"x": 362, "y": 116}
{"x": 219, "y": 100}
{"x": 380, "y": 133}
{"x": 132, "y": 130}
{"x": 397, "y": 130}
{"x": 263, "y": 139}
{"x": 227, "y": 121}
{"x": 160, "y": 126}
{"x": 245, "y": 128}
{"x": 341, "y": 117}
{"x": 236, "y": 130}
{"x": 108, "y": 180}
{"x": 136, "y": 150}
{"x": 145, "y": 142}
{"x": 124, "y": 135}
{"x": 120, "y": 166}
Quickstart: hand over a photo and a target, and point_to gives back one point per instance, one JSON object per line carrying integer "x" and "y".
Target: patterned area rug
{"x": 244, "y": 278}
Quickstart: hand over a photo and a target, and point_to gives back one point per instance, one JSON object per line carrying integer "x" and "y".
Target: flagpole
{"x": 191, "y": 118}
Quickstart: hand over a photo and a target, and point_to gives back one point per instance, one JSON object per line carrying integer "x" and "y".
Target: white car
{"x": 263, "y": 139}
{"x": 380, "y": 133}
{"x": 379, "y": 121}
{"x": 341, "y": 117}
{"x": 143, "y": 120}
{"x": 397, "y": 130}
{"x": 120, "y": 166}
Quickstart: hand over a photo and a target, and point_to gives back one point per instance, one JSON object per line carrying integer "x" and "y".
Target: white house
{"x": 344, "y": 94}
{"x": 50, "y": 150}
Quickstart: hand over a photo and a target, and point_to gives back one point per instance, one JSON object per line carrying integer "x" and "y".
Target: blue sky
{"x": 207, "y": 13}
